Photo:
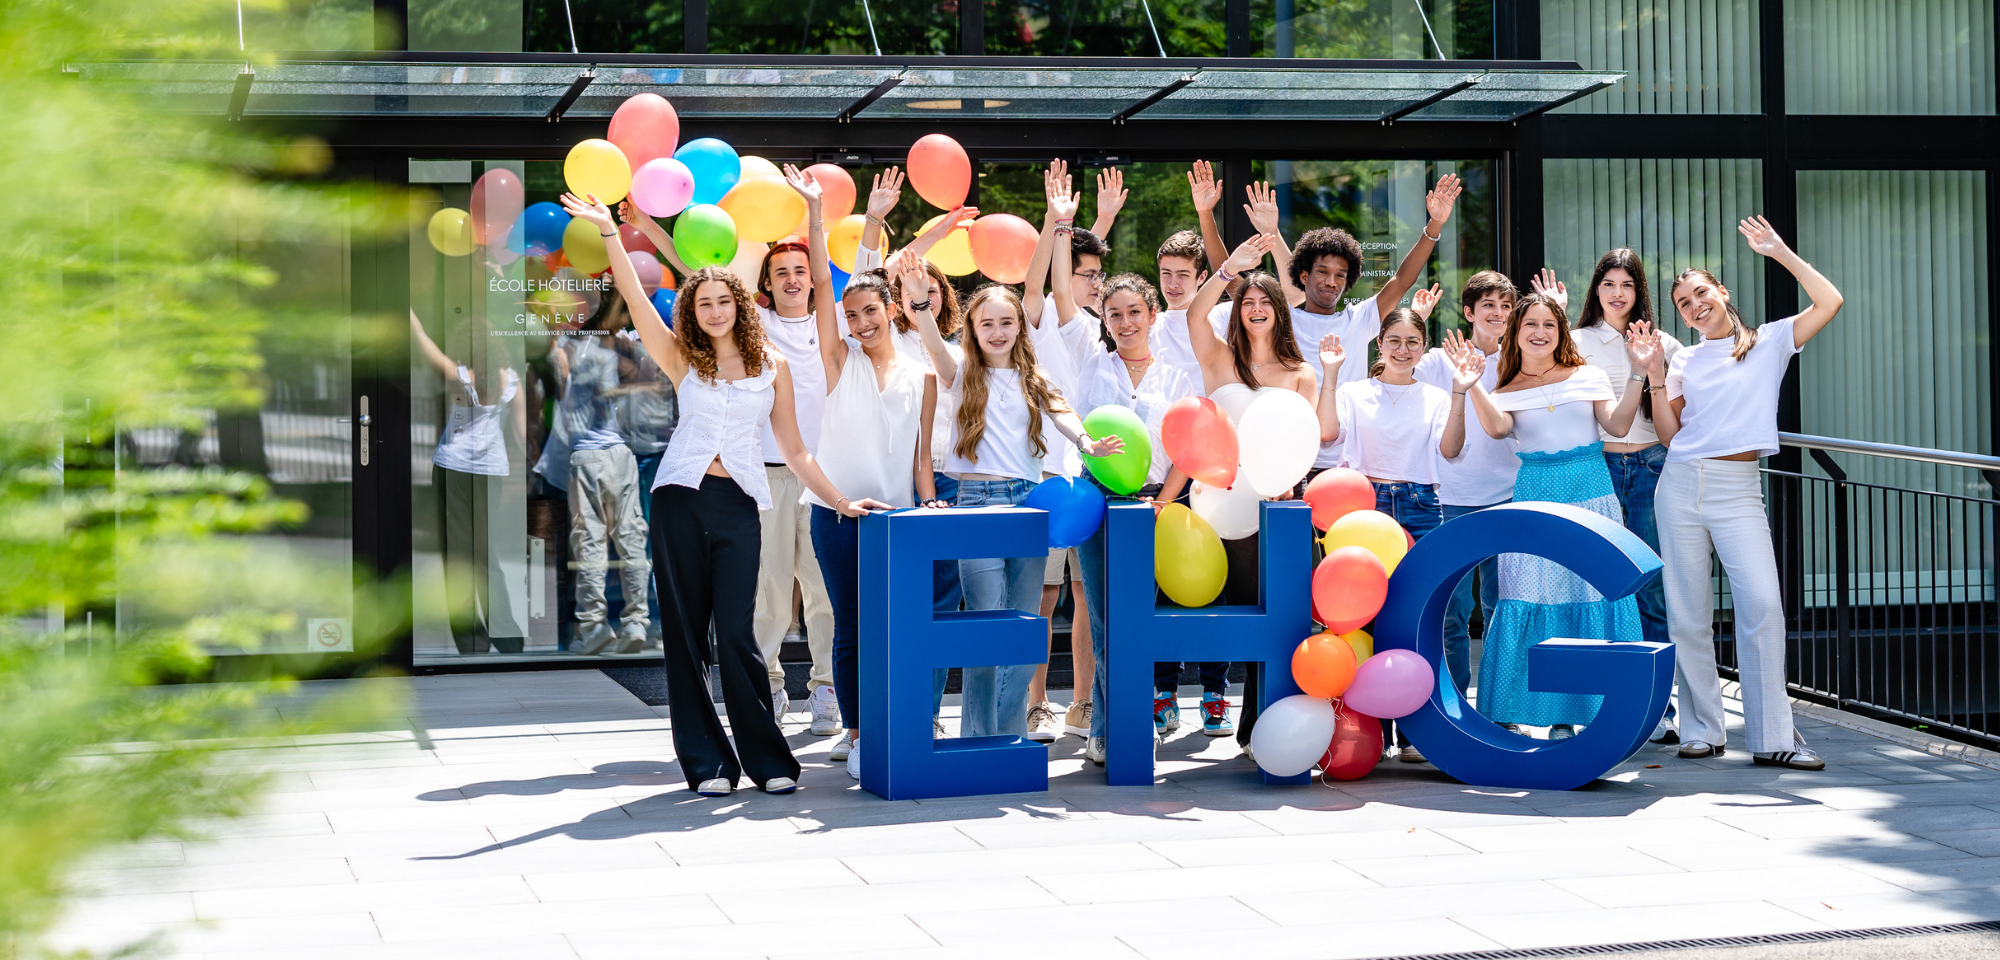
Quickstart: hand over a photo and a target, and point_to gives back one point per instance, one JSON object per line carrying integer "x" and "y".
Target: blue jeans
{"x": 1634, "y": 475}
{"x": 1485, "y": 581}
{"x": 946, "y": 593}
{"x": 837, "y": 544}
{"x": 1414, "y": 505}
{"x": 995, "y": 700}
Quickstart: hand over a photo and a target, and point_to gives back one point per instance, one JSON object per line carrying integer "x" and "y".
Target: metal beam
{"x": 1154, "y": 97}
{"x": 241, "y": 94}
{"x": 1416, "y": 105}
{"x": 576, "y": 88}
{"x": 855, "y": 108}
{"x": 1551, "y": 105}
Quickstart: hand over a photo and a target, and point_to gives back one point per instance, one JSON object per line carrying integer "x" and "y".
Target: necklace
{"x": 1398, "y": 398}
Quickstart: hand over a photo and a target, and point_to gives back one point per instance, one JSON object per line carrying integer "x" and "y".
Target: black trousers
{"x": 706, "y": 545}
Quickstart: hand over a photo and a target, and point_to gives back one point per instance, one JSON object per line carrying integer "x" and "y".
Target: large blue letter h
{"x": 1140, "y": 633}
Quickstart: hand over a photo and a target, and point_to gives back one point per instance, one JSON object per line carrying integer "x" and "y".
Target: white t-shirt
{"x": 1003, "y": 449}
{"x": 1106, "y": 383}
{"x": 797, "y": 340}
{"x": 1170, "y": 343}
{"x": 1483, "y": 474}
{"x": 1356, "y": 326}
{"x": 1055, "y": 351}
{"x": 1732, "y": 407}
{"x": 1392, "y": 431}
{"x": 1604, "y": 348}
{"x": 474, "y": 440}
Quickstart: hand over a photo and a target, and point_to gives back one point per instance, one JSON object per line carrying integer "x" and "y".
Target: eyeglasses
{"x": 1090, "y": 276}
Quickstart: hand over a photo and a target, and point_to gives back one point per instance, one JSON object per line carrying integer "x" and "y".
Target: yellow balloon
{"x": 451, "y": 232}
{"x": 596, "y": 168}
{"x": 765, "y": 208}
{"x": 1372, "y": 530}
{"x": 749, "y": 166}
{"x": 583, "y": 246}
{"x": 843, "y": 242}
{"x": 1363, "y": 644}
{"x": 1188, "y": 561}
{"x": 953, "y": 254}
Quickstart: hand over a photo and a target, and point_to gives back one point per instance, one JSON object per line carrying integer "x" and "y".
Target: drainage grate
{"x": 1818, "y": 936}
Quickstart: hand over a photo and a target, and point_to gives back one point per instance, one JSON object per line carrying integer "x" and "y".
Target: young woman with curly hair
{"x": 706, "y": 499}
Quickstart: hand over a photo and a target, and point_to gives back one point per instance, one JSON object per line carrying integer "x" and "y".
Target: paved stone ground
{"x": 540, "y": 815}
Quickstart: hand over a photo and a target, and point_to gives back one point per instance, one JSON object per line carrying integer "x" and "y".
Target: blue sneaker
{"x": 1215, "y": 716}
{"x": 1166, "y": 713}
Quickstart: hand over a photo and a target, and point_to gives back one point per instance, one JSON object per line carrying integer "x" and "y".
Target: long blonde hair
{"x": 696, "y": 345}
{"x": 1042, "y": 398}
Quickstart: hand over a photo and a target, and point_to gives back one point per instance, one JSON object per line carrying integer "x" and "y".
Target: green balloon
{"x": 705, "y": 236}
{"x": 1124, "y": 471}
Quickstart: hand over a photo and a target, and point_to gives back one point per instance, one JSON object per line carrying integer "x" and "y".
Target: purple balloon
{"x": 1391, "y": 684}
{"x": 662, "y": 187}
{"x": 648, "y": 268}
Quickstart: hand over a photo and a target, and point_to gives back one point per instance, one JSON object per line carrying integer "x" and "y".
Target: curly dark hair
{"x": 1325, "y": 242}
{"x": 699, "y": 348}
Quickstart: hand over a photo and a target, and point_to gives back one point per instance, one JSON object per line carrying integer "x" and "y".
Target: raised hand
{"x": 1263, "y": 207}
{"x": 1201, "y": 183}
{"x": 1250, "y": 253}
{"x": 1546, "y": 284}
{"x": 1439, "y": 201}
{"x": 594, "y": 211}
{"x": 804, "y": 182}
{"x": 629, "y": 212}
{"x": 1762, "y": 236}
{"x": 1111, "y": 193}
{"x": 1331, "y": 354}
{"x": 1424, "y": 301}
{"x": 887, "y": 189}
{"x": 908, "y": 267}
{"x": 1467, "y": 367}
{"x": 1642, "y": 349}
{"x": 1062, "y": 199}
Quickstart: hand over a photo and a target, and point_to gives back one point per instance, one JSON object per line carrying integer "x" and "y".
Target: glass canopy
{"x": 829, "y": 88}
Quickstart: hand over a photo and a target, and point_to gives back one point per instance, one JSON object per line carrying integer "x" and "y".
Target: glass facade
{"x": 1889, "y": 57}
{"x": 1106, "y": 28}
{"x": 890, "y": 27}
{"x": 1679, "y": 56}
{"x": 1372, "y": 29}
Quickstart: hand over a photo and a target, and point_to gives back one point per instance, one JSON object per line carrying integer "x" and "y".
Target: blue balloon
{"x": 840, "y": 278}
{"x": 517, "y": 236}
{"x": 1076, "y": 509}
{"x": 715, "y": 166}
{"x": 663, "y": 301}
{"x": 542, "y": 226}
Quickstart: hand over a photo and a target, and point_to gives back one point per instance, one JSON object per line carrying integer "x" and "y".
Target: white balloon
{"x": 1279, "y": 437}
{"x": 1232, "y": 511}
{"x": 1292, "y": 735}
{"x": 749, "y": 262}
{"x": 1233, "y": 403}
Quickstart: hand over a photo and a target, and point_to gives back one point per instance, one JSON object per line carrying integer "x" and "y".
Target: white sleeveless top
{"x": 872, "y": 432}
{"x": 723, "y": 419}
{"x": 1561, "y": 416}
{"x": 472, "y": 441}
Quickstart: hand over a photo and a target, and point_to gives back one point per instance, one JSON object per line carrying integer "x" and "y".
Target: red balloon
{"x": 1349, "y": 587}
{"x": 836, "y": 199}
{"x": 1356, "y": 745}
{"x": 1201, "y": 441}
{"x": 634, "y": 240}
{"x": 645, "y": 128}
{"x": 940, "y": 171}
{"x": 1412, "y": 541}
{"x": 1002, "y": 245}
{"x": 1336, "y": 493}
{"x": 496, "y": 204}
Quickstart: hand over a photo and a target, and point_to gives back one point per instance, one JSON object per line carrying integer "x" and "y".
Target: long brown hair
{"x": 1567, "y": 354}
{"x": 949, "y": 315}
{"x": 1396, "y": 316}
{"x": 1042, "y": 398}
{"x": 1283, "y": 343}
{"x": 1642, "y": 308}
{"x": 1745, "y": 336}
{"x": 695, "y": 343}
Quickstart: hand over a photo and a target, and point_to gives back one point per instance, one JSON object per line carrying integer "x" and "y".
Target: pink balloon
{"x": 496, "y": 204}
{"x": 648, "y": 267}
{"x": 645, "y": 128}
{"x": 1391, "y": 684}
{"x": 1002, "y": 245}
{"x": 663, "y": 187}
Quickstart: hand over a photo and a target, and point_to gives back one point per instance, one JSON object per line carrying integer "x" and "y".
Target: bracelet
{"x": 1083, "y": 441}
{"x": 1225, "y": 276}
{"x": 1458, "y": 393}
{"x": 875, "y": 220}
{"x": 1440, "y": 236}
{"x": 1062, "y": 231}
{"x": 1637, "y": 378}
{"x": 837, "y": 503}
{"x": 608, "y": 236}
{"x": 924, "y": 305}
{"x": 1659, "y": 387}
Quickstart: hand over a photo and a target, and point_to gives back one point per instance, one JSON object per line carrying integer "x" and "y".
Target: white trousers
{"x": 1719, "y": 505}
{"x": 787, "y": 555}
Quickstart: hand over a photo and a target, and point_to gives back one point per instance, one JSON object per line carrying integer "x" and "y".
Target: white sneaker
{"x": 593, "y": 636}
{"x": 718, "y": 787}
{"x": 841, "y": 748}
{"x": 1043, "y": 723}
{"x": 854, "y": 762}
{"x": 631, "y": 637}
{"x": 1093, "y": 750}
{"x": 825, "y": 712}
{"x": 781, "y": 703}
{"x": 1076, "y": 722}
{"x": 780, "y": 785}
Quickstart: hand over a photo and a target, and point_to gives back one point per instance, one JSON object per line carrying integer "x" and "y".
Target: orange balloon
{"x": 836, "y": 190}
{"x": 644, "y": 128}
{"x": 1002, "y": 245}
{"x": 1323, "y": 666}
{"x": 843, "y": 240}
{"x": 940, "y": 171}
{"x": 1348, "y": 588}
{"x": 1338, "y": 492}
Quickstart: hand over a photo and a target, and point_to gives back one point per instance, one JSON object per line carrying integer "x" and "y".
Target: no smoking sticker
{"x": 330, "y": 635}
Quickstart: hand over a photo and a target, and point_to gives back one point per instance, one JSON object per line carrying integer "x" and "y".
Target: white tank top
{"x": 723, "y": 419}
{"x": 869, "y": 434}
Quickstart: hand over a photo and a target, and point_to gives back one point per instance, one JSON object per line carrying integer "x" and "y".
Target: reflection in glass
{"x": 1372, "y": 29}
{"x": 1106, "y": 28}
{"x": 607, "y": 26}
{"x": 471, "y": 25}
{"x": 1680, "y": 56}
{"x": 898, "y": 27}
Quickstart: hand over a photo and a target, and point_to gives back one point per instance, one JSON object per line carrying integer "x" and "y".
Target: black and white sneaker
{"x": 1698, "y": 750}
{"x": 1665, "y": 732}
{"x": 1800, "y": 757}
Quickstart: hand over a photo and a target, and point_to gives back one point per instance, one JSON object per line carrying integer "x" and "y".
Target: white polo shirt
{"x": 1604, "y": 348}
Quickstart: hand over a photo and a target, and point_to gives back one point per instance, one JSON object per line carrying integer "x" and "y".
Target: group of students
{"x": 891, "y": 394}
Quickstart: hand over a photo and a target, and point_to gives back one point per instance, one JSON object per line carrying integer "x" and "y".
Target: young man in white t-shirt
{"x": 1183, "y": 266}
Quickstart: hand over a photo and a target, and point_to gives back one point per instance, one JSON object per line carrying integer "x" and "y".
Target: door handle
{"x": 364, "y": 420}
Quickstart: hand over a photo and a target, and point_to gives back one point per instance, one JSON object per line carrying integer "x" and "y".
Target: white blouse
{"x": 1103, "y": 381}
{"x": 910, "y": 344}
{"x": 725, "y": 419}
{"x": 1392, "y": 431}
{"x": 873, "y": 431}
{"x": 1559, "y": 416}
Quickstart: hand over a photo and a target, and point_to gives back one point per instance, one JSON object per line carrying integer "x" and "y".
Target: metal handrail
{"x": 1895, "y": 450}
